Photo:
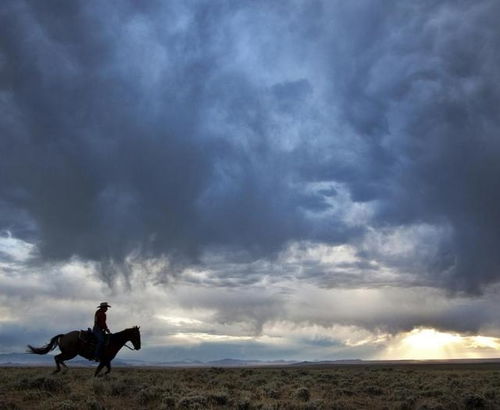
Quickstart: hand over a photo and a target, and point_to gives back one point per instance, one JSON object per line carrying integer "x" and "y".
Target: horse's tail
{"x": 54, "y": 342}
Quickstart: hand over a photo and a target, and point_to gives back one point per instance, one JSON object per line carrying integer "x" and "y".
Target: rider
{"x": 100, "y": 327}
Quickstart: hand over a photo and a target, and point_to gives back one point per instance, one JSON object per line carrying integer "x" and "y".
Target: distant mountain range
{"x": 27, "y": 360}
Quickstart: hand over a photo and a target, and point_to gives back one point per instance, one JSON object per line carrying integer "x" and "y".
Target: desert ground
{"x": 464, "y": 386}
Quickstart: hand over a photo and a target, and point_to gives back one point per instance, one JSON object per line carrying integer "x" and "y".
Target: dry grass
{"x": 336, "y": 387}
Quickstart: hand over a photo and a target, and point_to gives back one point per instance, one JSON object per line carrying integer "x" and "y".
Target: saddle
{"x": 87, "y": 336}
{"x": 89, "y": 341}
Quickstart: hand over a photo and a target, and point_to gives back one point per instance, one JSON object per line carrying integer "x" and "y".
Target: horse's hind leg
{"x": 108, "y": 365}
{"x": 58, "y": 368}
{"x": 60, "y": 361}
{"x": 101, "y": 365}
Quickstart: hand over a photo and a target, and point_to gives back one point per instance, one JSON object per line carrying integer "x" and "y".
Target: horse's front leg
{"x": 108, "y": 365}
{"x": 101, "y": 365}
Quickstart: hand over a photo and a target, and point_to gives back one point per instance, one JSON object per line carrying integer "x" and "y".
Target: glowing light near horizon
{"x": 431, "y": 344}
{"x": 426, "y": 343}
{"x": 482, "y": 342}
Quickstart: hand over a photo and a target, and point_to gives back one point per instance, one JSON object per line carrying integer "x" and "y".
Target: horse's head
{"x": 135, "y": 337}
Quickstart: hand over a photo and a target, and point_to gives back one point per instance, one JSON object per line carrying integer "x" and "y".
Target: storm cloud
{"x": 186, "y": 130}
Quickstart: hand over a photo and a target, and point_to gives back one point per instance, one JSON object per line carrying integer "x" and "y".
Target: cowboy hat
{"x": 103, "y": 304}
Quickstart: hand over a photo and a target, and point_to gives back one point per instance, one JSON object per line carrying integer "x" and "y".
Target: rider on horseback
{"x": 100, "y": 328}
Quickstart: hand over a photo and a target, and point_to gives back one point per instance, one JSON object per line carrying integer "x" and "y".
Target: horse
{"x": 72, "y": 344}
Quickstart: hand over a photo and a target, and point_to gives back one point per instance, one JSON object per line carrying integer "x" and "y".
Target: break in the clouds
{"x": 257, "y": 145}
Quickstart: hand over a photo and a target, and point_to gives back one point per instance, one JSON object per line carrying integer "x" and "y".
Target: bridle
{"x": 127, "y": 346}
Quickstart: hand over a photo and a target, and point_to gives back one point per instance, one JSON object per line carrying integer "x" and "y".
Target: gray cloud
{"x": 172, "y": 129}
{"x": 418, "y": 84}
{"x": 197, "y": 320}
{"x": 107, "y": 158}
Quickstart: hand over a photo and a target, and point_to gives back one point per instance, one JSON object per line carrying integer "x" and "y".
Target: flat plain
{"x": 442, "y": 386}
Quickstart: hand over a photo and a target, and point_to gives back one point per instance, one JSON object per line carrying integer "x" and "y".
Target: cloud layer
{"x": 319, "y": 150}
{"x": 280, "y": 319}
{"x": 167, "y": 129}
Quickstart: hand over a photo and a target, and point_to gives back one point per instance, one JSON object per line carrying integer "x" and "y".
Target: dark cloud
{"x": 418, "y": 84}
{"x": 169, "y": 129}
{"x": 105, "y": 163}
{"x": 443, "y": 130}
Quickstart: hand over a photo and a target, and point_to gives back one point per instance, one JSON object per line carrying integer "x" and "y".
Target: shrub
{"x": 218, "y": 398}
{"x": 432, "y": 393}
{"x": 119, "y": 388}
{"x": 92, "y": 404}
{"x": 373, "y": 390}
{"x": 343, "y": 404}
{"x": 97, "y": 387}
{"x": 216, "y": 370}
{"x": 33, "y": 395}
{"x": 431, "y": 406}
{"x": 314, "y": 405}
{"x": 7, "y": 405}
{"x": 243, "y": 404}
{"x": 259, "y": 382}
{"x": 401, "y": 393}
{"x": 408, "y": 404}
{"x": 150, "y": 394}
{"x": 68, "y": 405}
{"x": 302, "y": 394}
{"x": 246, "y": 372}
{"x": 168, "y": 402}
{"x": 193, "y": 402}
{"x": 47, "y": 384}
{"x": 473, "y": 401}
{"x": 272, "y": 393}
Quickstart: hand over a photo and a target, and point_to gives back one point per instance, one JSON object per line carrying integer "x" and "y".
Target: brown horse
{"x": 71, "y": 344}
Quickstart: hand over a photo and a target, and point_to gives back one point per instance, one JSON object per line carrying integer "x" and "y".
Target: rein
{"x": 121, "y": 338}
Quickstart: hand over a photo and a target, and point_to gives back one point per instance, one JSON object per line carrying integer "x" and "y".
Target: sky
{"x": 299, "y": 180}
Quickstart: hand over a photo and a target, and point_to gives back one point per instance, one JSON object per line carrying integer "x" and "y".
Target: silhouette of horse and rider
{"x": 98, "y": 344}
